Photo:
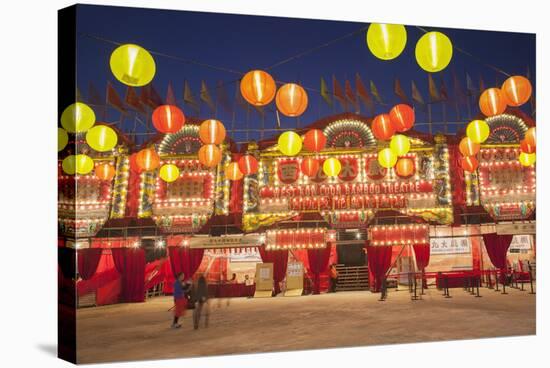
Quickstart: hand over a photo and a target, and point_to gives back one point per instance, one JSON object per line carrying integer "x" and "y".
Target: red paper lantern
{"x": 133, "y": 163}
{"x": 531, "y": 136}
{"x": 516, "y": 90}
{"x": 248, "y": 165}
{"x": 527, "y": 147}
{"x": 315, "y": 140}
{"x": 309, "y": 166}
{"x": 210, "y": 155}
{"x": 469, "y": 163}
{"x": 104, "y": 171}
{"x": 148, "y": 159}
{"x": 382, "y": 127}
{"x": 491, "y": 102}
{"x": 212, "y": 131}
{"x": 168, "y": 119}
{"x": 402, "y": 117}
{"x": 468, "y": 147}
{"x": 404, "y": 167}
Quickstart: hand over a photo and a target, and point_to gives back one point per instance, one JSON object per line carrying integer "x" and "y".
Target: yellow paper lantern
{"x": 434, "y": 51}
{"x": 386, "y": 41}
{"x": 169, "y": 173}
{"x": 62, "y": 139}
{"x": 79, "y": 164}
{"x": 101, "y": 138}
{"x": 478, "y": 131}
{"x": 400, "y": 144}
{"x": 69, "y": 165}
{"x": 332, "y": 166}
{"x": 290, "y": 143}
{"x": 527, "y": 159}
{"x": 386, "y": 158}
{"x": 77, "y": 118}
{"x": 132, "y": 65}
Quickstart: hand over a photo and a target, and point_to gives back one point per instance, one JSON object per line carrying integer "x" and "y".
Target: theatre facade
{"x": 278, "y": 215}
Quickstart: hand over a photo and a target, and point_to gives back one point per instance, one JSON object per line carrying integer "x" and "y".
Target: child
{"x": 180, "y": 299}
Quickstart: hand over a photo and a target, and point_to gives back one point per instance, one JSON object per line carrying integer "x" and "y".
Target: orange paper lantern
{"x": 104, "y": 171}
{"x": 531, "y": 136}
{"x": 527, "y": 147}
{"x": 212, "y": 131}
{"x": 232, "y": 172}
{"x": 468, "y": 147}
{"x": 469, "y": 163}
{"x": 168, "y": 119}
{"x": 310, "y": 166}
{"x": 516, "y": 90}
{"x": 382, "y": 127}
{"x": 404, "y": 167}
{"x": 248, "y": 165}
{"x": 148, "y": 159}
{"x": 402, "y": 117}
{"x": 291, "y": 99}
{"x": 210, "y": 155}
{"x": 258, "y": 87}
{"x": 491, "y": 102}
{"x": 315, "y": 140}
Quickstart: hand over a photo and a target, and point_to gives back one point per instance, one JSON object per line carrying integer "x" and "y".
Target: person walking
{"x": 201, "y": 302}
{"x": 181, "y": 289}
{"x": 333, "y": 278}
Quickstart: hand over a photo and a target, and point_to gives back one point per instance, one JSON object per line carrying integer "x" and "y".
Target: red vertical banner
{"x": 475, "y": 240}
{"x": 236, "y": 196}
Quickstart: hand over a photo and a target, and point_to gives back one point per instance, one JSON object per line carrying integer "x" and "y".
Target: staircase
{"x": 352, "y": 278}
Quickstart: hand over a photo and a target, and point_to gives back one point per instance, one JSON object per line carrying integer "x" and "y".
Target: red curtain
{"x": 118, "y": 258}
{"x": 191, "y": 259}
{"x": 134, "y": 280}
{"x": 175, "y": 263}
{"x": 88, "y": 259}
{"x": 497, "y": 247}
{"x": 318, "y": 263}
{"x": 422, "y": 255}
{"x": 130, "y": 264}
{"x": 379, "y": 260}
{"x": 185, "y": 259}
{"x": 279, "y": 258}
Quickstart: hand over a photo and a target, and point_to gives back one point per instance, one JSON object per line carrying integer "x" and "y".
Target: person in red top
{"x": 333, "y": 278}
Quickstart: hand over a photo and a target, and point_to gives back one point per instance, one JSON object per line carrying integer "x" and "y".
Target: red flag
{"x": 170, "y": 96}
{"x": 114, "y": 99}
{"x": 94, "y": 97}
{"x": 338, "y": 93}
{"x": 350, "y": 95}
{"x": 363, "y": 93}
{"x": 132, "y": 100}
{"x": 399, "y": 92}
{"x": 150, "y": 97}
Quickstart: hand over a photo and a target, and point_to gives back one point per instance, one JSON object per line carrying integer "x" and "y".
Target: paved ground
{"x": 140, "y": 331}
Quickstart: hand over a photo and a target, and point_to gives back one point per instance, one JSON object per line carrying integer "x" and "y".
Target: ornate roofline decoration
{"x": 506, "y": 128}
{"x": 171, "y": 142}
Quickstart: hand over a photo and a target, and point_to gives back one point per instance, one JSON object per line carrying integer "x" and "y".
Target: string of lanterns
{"x": 515, "y": 91}
{"x": 384, "y": 126}
{"x": 433, "y": 51}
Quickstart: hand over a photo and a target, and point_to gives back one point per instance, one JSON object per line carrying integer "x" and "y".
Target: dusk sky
{"x": 241, "y": 43}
